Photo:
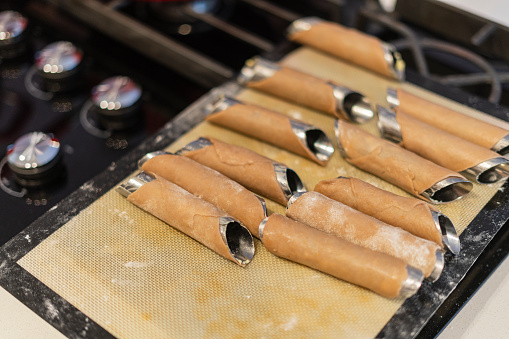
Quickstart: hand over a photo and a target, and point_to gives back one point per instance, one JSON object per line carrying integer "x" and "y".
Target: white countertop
{"x": 19, "y": 322}
{"x": 486, "y": 314}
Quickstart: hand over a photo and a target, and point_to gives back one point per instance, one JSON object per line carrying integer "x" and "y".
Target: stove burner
{"x": 34, "y": 159}
{"x": 58, "y": 66}
{"x": 114, "y": 105}
{"x": 13, "y": 26}
{"x": 116, "y": 101}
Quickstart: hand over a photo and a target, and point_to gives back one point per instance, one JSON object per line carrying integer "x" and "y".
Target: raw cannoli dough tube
{"x": 274, "y": 128}
{"x": 475, "y": 162}
{"x": 476, "y": 131}
{"x": 413, "y": 215}
{"x": 331, "y": 216}
{"x": 349, "y": 44}
{"x": 378, "y": 272}
{"x": 306, "y": 90}
{"x": 400, "y": 167}
{"x": 210, "y": 186}
{"x": 255, "y": 172}
{"x": 197, "y": 218}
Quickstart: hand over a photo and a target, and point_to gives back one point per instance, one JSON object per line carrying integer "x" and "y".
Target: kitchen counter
{"x": 485, "y": 314}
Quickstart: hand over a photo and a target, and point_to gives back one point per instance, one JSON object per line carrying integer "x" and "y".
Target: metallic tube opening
{"x": 149, "y": 156}
{"x": 132, "y": 184}
{"x": 502, "y": 146}
{"x": 388, "y": 125}
{"x": 318, "y": 142}
{"x": 257, "y": 69}
{"x": 194, "y": 145}
{"x": 262, "y": 227}
{"x": 447, "y": 190}
{"x": 394, "y": 61}
{"x": 221, "y": 104}
{"x": 314, "y": 139}
{"x": 302, "y": 25}
{"x": 294, "y": 182}
{"x": 294, "y": 197}
{"x": 439, "y": 267}
{"x": 412, "y": 283}
{"x": 361, "y": 111}
{"x": 489, "y": 172}
{"x": 357, "y": 107}
{"x": 351, "y": 105}
{"x": 288, "y": 180}
{"x": 450, "y": 238}
{"x": 392, "y": 97}
{"x": 238, "y": 239}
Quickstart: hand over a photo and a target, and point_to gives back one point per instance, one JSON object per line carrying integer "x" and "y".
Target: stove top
{"x": 79, "y": 111}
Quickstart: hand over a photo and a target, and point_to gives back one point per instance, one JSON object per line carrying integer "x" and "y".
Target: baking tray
{"x": 407, "y": 321}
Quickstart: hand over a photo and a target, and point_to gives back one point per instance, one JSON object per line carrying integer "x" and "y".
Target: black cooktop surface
{"x": 88, "y": 145}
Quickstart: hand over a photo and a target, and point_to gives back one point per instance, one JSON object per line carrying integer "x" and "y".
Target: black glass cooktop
{"x": 88, "y": 145}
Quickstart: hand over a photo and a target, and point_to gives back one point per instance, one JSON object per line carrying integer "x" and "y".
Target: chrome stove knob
{"x": 13, "y": 29}
{"x": 35, "y": 159}
{"x": 116, "y": 101}
{"x": 58, "y": 66}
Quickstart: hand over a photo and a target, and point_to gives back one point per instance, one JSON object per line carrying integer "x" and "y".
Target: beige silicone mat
{"x": 138, "y": 278}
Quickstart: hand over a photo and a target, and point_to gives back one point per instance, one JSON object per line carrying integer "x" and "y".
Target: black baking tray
{"x": 431, "y": 305}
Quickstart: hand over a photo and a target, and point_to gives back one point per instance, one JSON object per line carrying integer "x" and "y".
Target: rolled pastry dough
{"x": 346, "y": 43}
{"x": 412, "y": 215}
{"x": 210, "y": 186}
{"x": 320, "y": 212}
{"x": 248, "y": 168}
{"x": 440, "y": 147}
{"x": 297, "y": 242}
{"x": 476, "y": 131}
{"x": 272, "y": 127}
{"x": 390, "y": 162}
{"x": 301, "y": 88}
{"x": 182, "y": 210}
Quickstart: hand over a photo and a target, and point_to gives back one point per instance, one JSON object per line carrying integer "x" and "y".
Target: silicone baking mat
{"x": 137, "y": 277}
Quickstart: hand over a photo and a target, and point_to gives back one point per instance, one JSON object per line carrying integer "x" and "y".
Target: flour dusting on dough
{"x": 336, "y": 218}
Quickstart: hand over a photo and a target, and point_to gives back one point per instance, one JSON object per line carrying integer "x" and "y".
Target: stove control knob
{"x": 59, "y": 65}
{"x": 116, "y": 101}
{"x": 13, "y": 30}
{"x": 35, "y": 159}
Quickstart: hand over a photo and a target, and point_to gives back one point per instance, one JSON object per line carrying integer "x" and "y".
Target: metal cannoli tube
{"x": 255, "y": 172}
{"x": 474, "y": 130}
{"x": 272, "y": 127}
{"x": 210, "y": 186}
{"x": 306, "y": 90}
{"x": 413, "y": 215}
{"x": 331, "y": 216}
{"x": 378, "y": 272}
{"x": 473, "y": 161}
{"x": 349, "y": 44}
{"x": 407, "y": 170}
{"x": 195, "y": 217}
